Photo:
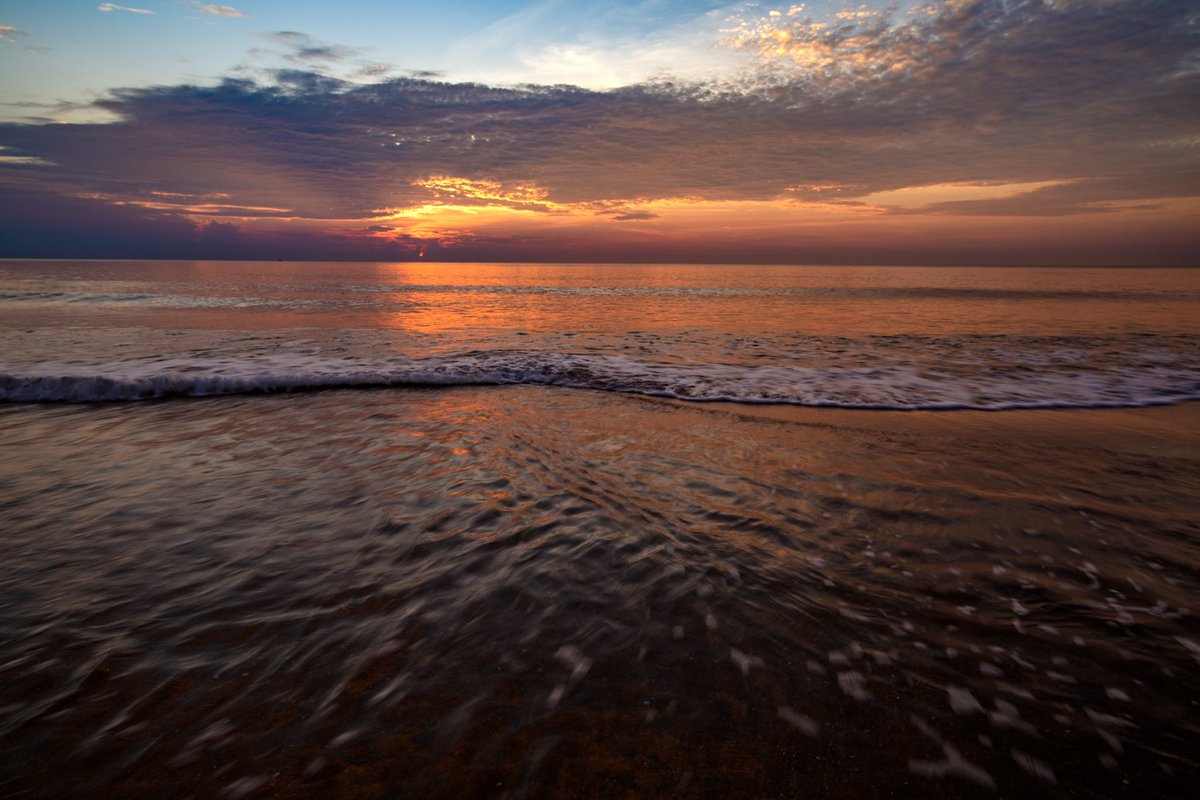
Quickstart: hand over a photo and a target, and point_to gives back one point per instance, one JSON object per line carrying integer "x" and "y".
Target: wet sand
{"x": 1166, "y": 430}
{"x": 545, "y": 592}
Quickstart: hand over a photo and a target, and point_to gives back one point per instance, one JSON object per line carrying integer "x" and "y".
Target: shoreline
{"x": 1167, "y": 430}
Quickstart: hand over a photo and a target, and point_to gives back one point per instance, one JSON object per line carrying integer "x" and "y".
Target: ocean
{"x": 295, "y": 529}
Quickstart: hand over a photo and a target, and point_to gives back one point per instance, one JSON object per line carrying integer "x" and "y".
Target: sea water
{"x": 903, "y": 338}
{"x": 298, "y": 529}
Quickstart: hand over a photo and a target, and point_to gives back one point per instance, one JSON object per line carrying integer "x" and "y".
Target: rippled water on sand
{"x": 536, "y": 591}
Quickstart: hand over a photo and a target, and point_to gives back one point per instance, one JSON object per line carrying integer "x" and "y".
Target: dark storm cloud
{"x": 1100, "y": 94}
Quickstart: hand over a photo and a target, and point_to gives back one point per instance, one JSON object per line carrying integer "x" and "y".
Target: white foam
{"x": 953, "y": 764}
{"x": 801, "y": 722}
{"x": 884, "y": 387}
{"x": 854, "y": 685}
{"x": 962, "y": 701}
{"x": 1034, "y": 766}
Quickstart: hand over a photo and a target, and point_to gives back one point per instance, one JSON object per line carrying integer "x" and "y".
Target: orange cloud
{"x": 186, "y": 205}
{"x": 919, "y": 196}
{"x": 488, "y": 193}
{"x": 466, "y": 213}
{"x": 464, "y": 208}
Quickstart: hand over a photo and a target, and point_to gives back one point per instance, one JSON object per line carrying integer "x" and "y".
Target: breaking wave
{"x": 891, "y": 386}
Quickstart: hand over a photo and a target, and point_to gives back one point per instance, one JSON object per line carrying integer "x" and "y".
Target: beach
{"x": 240, "y": 561}
{"x": 681, "y": 399}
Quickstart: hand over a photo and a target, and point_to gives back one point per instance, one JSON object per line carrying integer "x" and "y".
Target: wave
{"x": 896, "y": 387}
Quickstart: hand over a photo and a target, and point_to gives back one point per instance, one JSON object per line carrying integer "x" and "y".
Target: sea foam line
{"x": 898, "y": 387}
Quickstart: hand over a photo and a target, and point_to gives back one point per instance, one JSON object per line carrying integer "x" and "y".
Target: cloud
{"x": 982, "y": 113}
{"x": 8, "y": 157}
{"x": 597, "y": 45}
{"x": 10, "y": 33}
{"x": 290, "y": 37}
{"x": 191, "y": 206}
{"x": 485, "y": 192}
{"x": 323, "y": 53}
{"x": 220, "y": 11}
{"x": 373, "y": 71}
{"x": 115, "y": 7}
{"x": 31, "y": 161}
{"x": 303, "y": 49}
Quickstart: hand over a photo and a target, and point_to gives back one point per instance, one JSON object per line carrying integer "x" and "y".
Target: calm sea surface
{"x": 324, "y": 529}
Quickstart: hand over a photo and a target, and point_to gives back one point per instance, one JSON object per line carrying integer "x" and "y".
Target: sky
{"x": 913, "y": 132}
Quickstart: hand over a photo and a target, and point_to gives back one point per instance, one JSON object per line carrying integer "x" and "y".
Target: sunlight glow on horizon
{"x": 827, "y": 130}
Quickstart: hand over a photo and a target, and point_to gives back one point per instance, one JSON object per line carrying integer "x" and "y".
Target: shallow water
{"x": 538, "y": 590}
